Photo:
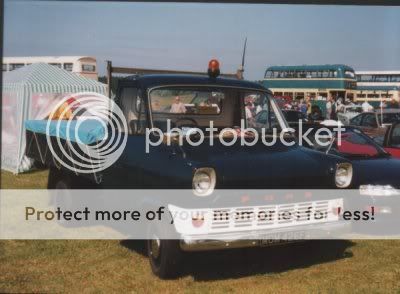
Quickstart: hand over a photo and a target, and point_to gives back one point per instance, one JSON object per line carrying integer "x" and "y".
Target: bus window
{"x": 276, "y": 74}
{"x": 349, "y": 74}
{"x": 4, "y": 66}
{"x": 282, "y": 74}
{"x": 381, "y": 79}
{"x": 364, "y": 78}
{"x": 88, "y": 67}
{"x": 13, "y": 66}
{"x": 395, "y": 79}
{"x": 68, "y": 66}
{"x": 56, "y": 64}
{"x": 325, "y": 74}
{"x": 269, "y": 74}
{"x": 373, "y": 96}
{"x": 386, "y": 95}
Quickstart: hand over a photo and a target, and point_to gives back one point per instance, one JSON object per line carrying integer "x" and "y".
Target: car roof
{"x": 384, "y": 111}
{"x": 317, "y": 126}
{"x": 155, "y": 80}
{"x": 390, "y": 110}
{"x": 290, "y": 110}
{"x": 351, "y": 106}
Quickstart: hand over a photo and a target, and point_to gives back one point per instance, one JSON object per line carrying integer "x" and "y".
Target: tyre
{"x": 165, "y": 256}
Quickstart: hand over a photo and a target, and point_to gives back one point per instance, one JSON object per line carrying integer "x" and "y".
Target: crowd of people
{"x": 333, "y": 106}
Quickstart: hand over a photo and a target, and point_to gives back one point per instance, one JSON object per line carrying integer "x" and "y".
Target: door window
{"x": 395, "y": 138}
{"x": 369, "y": 120}
{"x": 357, "y": 120}
{"x": 133, "y": 110}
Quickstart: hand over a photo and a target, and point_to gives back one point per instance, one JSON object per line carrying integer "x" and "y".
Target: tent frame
{"x": 38, "y": 149}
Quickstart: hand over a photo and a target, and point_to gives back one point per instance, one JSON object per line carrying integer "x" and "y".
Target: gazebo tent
{"x": 28, "y": 93}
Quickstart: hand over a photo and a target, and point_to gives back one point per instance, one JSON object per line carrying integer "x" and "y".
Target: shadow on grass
{"x": 139, "y": 246}
{"x": 238, "y": 263}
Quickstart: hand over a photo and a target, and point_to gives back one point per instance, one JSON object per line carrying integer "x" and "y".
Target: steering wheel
{"x": 180, "y": 122}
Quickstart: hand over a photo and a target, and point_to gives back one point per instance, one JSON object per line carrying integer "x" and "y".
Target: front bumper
{"x": 257, "y": 238}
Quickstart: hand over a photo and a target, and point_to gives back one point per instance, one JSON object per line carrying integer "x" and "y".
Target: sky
{"x": 186, "y": 36}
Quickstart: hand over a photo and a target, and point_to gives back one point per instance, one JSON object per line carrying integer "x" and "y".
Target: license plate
{"x": 281, "y": 237}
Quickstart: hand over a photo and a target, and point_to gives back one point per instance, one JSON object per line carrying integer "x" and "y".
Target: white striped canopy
{"x": 26, "y": 92}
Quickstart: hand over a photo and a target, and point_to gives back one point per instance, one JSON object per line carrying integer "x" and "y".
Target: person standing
{"x": 329, "y": 108}
{"x": 366, "y": 107}
{"x": 339, "y": 106}
{"x": 303, "y": 107}
{"x": 394, "y": 104}
{"x": 309, "y": 106}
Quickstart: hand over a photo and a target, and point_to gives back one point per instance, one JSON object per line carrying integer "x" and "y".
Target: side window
{"x": 390, "y": 118}
{"x": 357, "y": 120}
{"x": 133, "y": 109}
{"x": 395, "y": 138}
{"x": 68, "y": 66}
{"x": 369, "y": 121}
{"x": 269, "y": 74}
{"x": 259, "y": 112}
{"x": 261, "y": 118}
{"x": 88, "y": 68}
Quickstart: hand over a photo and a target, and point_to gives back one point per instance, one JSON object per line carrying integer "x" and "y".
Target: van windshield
{"x": 222, "y": 107}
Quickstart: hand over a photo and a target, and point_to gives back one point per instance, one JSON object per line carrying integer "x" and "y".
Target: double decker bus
{"x": 82, "y": 65}
{"x": 378, "y": 85}
{"x": 316, "y": 81}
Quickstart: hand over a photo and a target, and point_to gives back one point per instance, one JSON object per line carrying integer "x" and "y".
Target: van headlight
{"x": 204, "y": 180}
{"x": 343, "y": 175}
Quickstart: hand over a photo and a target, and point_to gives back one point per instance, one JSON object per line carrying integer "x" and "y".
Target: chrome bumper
{"x": 253, "y": 238}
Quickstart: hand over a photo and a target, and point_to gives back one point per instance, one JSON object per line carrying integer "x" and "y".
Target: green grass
{"x": 103, "y": 265}
{"x": 29, "y": 180}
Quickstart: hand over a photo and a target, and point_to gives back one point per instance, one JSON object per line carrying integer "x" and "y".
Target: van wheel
{"x": 165, "y": 256}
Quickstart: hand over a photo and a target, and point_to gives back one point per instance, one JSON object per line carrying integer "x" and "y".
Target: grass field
{"x": 99, "y": 266}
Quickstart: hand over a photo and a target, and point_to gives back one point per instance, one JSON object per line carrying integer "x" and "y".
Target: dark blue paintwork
{"x": 236, "y": 166}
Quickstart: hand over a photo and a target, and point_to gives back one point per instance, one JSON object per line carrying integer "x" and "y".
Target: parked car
{"x": 371, "y": 163}
{"x": 292, "y": 117}
{"x": 376, "y": 172}
{"x": 147, "y": 102}
{"x": 348, "y": 112}
{"x": 374, "y": 124}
